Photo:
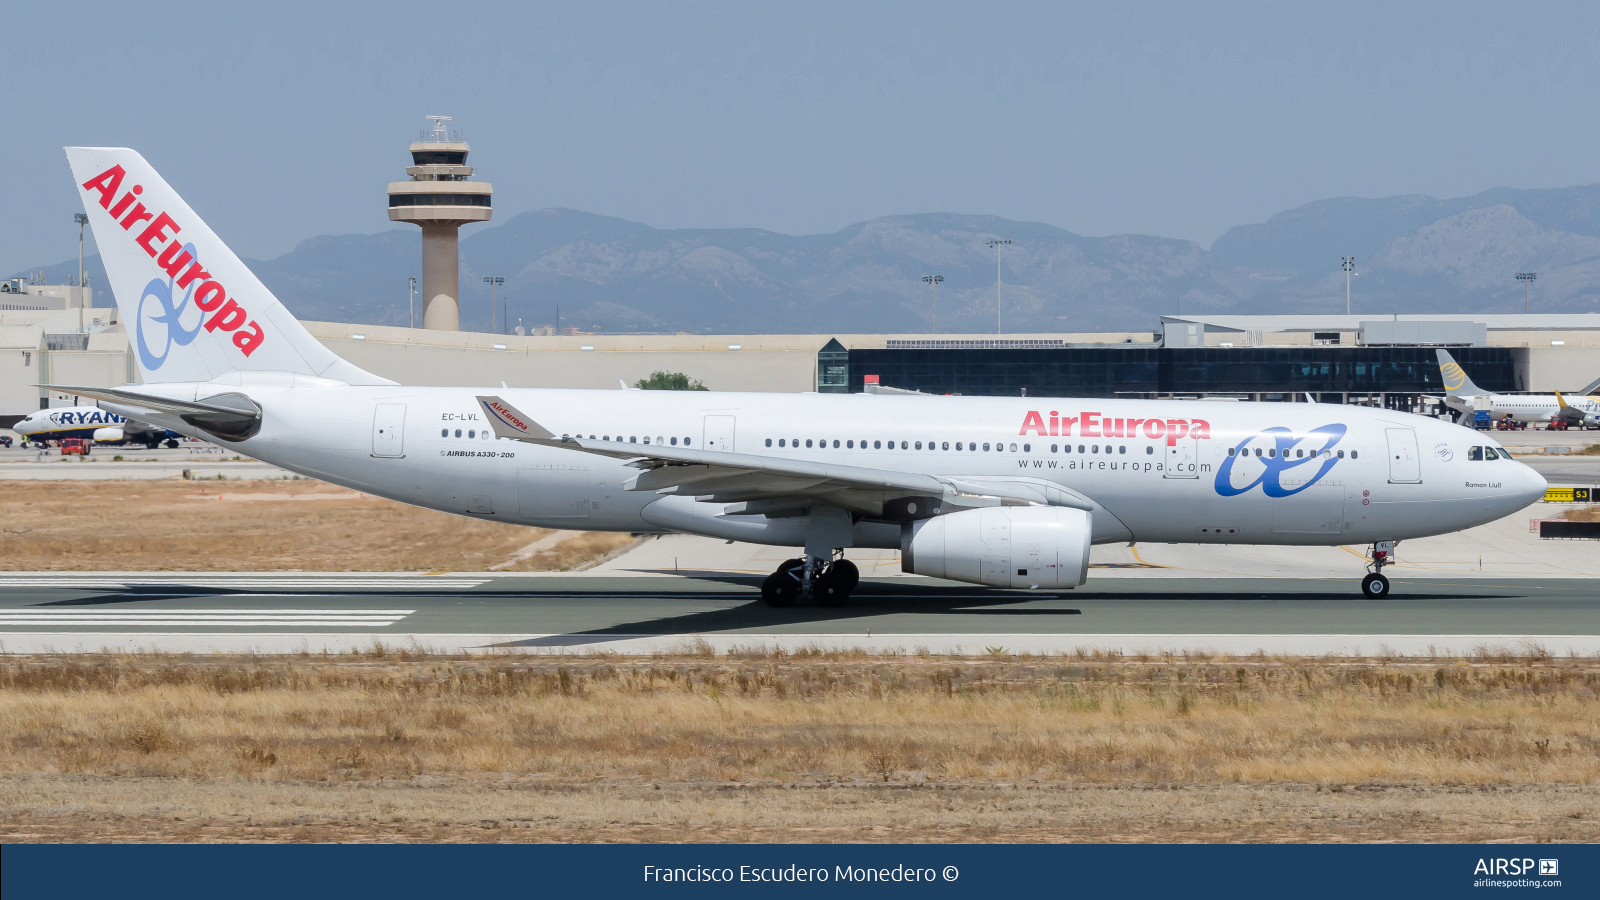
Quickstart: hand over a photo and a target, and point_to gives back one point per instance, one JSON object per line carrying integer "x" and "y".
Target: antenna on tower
{"x": 441, "y": 132}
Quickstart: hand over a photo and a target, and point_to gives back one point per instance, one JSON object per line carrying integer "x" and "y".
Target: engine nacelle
{"x": 1005, "y": 546}
{"x": 108, "y": 435}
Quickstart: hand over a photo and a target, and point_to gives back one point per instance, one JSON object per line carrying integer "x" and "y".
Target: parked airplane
{"x": 91, "y": 423}
{"x": 999, "y": 491}
{"x": 1461, "y": 394}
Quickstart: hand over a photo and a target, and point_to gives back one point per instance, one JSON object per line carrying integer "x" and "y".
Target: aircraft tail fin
{"x": 193, "y": 310}
{"x": 1456, "y": 382}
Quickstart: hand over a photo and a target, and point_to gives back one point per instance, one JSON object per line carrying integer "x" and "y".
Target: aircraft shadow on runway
{"x": 873, "y": 599}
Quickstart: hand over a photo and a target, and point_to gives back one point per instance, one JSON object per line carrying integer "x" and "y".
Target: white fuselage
{"x": 1529, "y": 408}
{"x": 1299, "y": 473}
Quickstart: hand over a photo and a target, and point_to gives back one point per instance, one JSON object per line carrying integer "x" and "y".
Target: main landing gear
{"x": 1375, "y": 585}
{"x": 829, "y": 581}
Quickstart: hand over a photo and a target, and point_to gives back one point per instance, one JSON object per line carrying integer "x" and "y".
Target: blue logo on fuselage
{"x": 1278, "y": 461}
{"x": 170, "y": 314}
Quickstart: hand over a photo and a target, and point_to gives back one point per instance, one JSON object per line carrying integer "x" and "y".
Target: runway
{"x": 721, "y": 612}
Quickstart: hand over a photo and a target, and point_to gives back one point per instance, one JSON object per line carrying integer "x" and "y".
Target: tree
{"x": 669, "y": 381}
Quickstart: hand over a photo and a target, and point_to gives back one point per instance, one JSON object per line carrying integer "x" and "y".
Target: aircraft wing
{"x": 770, "y": 484}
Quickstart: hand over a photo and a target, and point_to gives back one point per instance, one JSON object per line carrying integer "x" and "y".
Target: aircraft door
{"x": 1405, "y": 463}
{"x": 389, "y": 430}
{"x": 1182, "y": 459}
{"x": 719, "y": 433}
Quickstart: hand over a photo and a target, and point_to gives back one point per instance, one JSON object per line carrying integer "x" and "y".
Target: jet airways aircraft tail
{"x": 194, "y": 311}
{"x": 1456, "y": 382}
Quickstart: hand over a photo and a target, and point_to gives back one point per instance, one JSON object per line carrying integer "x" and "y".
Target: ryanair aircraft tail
{"x": 193, "y": 310}
{"x": 1456, "y": 382}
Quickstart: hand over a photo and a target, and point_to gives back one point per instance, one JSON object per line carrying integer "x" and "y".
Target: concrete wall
{"x": 783, "y": 363}
{"x": 1566, "y": 368}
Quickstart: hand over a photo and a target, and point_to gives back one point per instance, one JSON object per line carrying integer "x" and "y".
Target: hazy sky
{"x": 282, "y": 121}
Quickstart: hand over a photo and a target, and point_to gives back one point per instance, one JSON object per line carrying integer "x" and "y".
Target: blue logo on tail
{"x": 1278, "y": 460}
{"x": 161, "y": 291}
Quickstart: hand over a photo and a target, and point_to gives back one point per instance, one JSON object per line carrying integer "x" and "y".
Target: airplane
{"x": 1467, "y": 398}
{"x": 1001, "y": 491}
{"x": 92, "y": 423}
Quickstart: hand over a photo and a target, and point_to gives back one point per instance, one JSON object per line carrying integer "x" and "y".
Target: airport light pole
{"x": 996, "y": 244}
{"x": 1349, "y": 266}
{"x": 82, "y": 220}
{"x": 933, "y": 285}
{"x": 1527, "y": 279}
{"x": 494, "y": 282}
{"x": 411, "y": 304}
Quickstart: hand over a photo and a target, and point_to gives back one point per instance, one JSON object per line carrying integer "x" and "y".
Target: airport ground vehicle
{"x": 1001, "y": 491}
{"x": 74, "y": 446}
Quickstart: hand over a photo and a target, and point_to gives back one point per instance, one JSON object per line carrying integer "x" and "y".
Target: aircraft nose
{"x": 1533, "y": 484}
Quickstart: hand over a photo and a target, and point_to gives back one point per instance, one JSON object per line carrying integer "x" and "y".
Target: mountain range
{"x": 1414, "y": 254}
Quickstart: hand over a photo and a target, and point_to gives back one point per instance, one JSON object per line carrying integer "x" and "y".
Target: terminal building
{"x": 1335, "y": 359}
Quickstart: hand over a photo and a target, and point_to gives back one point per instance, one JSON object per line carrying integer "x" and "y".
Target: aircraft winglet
{"x": 510, "y": 422}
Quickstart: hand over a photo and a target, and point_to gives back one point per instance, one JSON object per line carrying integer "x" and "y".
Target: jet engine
{"x": 108, "y": 435}
{"x": 1006, "y": 546}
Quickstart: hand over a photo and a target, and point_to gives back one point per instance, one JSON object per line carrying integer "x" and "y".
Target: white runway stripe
{"x": 231, "y": 617}
{"x": 254, "y": 582}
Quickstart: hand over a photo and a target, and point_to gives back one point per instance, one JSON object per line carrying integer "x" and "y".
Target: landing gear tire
{"x": 1375, "y": 586}
{"x": 172, "y": 444}
{"x": 848, "y": 572}
{"x": 835, "y": 585}
{"x": 779, "y": 590}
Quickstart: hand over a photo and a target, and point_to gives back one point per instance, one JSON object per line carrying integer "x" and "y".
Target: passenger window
{"x": 1341, "y": 454}
{"x": 1231, "y": 451}
{"x": 1026, "y": 448}
{"x": 633, "y": 439}
{"x": 472, "y": 434}
{"x": 686, "y": 442}
{"x": 877, "y": 445}
{"x": 1149, "y": 450}
{"x": 1354, "y": 454}
{"x": 674, "y": 442}
{"x": 444, "y": 432}
{"x": 647, "y": 439}
{"x": 945, "y": 446}
{"x": 1299, "y": 453}
{"x": 849, "y": 445}
{"x": 1123, "y": 449}
{"x": 1053, "y": 448}
{"x": 1272, "y": 453}
{"x": 1258, "y": 451}
{"x": 1475, "y": 454}
{"x": 808, "y": 442}
{"x": 1080, "y": 448}
{"x": 1013, "y": 448}
{"x": 458, "y": 432}
{"x": 903, "y": 445}
{"x": 919, "y": 445}
{"x": 835, "y": 445}
{"x": 769, "y": 442}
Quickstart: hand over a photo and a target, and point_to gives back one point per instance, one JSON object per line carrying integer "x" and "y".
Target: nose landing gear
{"x": 829, "y": 581}
{"x": 1375, "y": 585}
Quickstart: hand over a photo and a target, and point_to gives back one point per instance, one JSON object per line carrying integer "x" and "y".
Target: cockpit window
{"x": 1475, "y": 454}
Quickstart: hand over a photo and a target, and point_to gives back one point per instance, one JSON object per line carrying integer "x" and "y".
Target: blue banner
{"x": 804, "y": 870}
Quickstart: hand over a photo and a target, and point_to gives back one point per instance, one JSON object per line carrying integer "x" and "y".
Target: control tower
{"x": 440, "y": 199}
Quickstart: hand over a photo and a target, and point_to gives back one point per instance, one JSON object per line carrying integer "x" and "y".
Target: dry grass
{"x": 258, "y": 526}
{"x": 786, "y": 748}
{"x": 1582, "y": 514}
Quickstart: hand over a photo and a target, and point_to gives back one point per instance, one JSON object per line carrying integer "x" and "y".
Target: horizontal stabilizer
{"x": 231, "y": 416}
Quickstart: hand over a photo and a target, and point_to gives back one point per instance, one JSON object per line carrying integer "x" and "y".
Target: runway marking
{"x": 230, "y": 617}
{"x": 323, "y": 582}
